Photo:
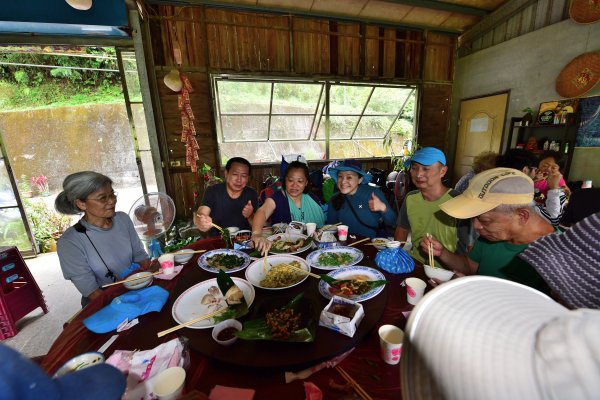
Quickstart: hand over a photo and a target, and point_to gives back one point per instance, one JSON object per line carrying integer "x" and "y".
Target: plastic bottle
{"x": 546, "y": 145}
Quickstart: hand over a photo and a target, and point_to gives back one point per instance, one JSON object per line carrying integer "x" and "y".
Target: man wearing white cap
{"x": 420, "y": 212}
{"x": 500, "y": 201}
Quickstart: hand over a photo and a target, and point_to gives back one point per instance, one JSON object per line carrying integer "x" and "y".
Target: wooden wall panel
{"x": 435, "y": 115}
{"x": 215, "y": 40}
{"x": 348, "y": 49}
{"x": 311, "y": 46}
{"x": 439, "y": 57}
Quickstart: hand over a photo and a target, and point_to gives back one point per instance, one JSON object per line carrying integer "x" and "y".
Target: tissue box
{"x": 342, "y": 315}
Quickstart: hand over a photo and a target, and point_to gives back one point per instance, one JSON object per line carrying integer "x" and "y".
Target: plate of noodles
{"x": 278, "y": 272}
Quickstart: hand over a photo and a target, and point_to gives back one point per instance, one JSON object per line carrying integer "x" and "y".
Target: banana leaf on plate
{"x": 234, "y": 297}
{"x": 295, "y": 321}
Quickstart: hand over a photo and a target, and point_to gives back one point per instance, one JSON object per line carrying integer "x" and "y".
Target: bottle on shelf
{"x": 552, "y": 145}
{"x": 546, "y": 145}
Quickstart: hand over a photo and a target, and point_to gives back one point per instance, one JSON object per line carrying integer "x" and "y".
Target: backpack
{"x": 271, "y": 185}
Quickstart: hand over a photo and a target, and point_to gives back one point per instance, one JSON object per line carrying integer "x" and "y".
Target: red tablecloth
{"x": 364, "y": 364}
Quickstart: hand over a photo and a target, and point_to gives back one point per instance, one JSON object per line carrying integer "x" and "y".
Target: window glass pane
{"x": 295, "y": 98}
{"x": 244, "y": 97}
{"x": 13, "y": 230}
{"x": 288, "y": 127}
{"x": 132, "y": 78}
{"x": 272, "y": 151}
{"x": 342, "y": 127}
{"x": 387, "y": 100}
{"x": 244, "y": 127}
{"x": 141, "y": 130}
{"x": 7, "y": 197}
{"x": 347, "y": 99}
{"x": 370, "y": 127}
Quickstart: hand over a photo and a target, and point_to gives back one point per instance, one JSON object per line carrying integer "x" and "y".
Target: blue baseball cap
{"x": 427, "y": 156}
{"x": 22, "y": 379}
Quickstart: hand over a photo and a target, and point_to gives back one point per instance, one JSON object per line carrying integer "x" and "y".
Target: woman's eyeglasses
{"x": 104, "y": 199}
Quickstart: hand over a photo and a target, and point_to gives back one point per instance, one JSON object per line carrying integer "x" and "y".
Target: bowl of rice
{"x": 278, "y": 272}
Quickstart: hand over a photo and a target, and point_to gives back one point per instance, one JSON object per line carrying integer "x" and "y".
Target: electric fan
{"x": 152, "y": 216}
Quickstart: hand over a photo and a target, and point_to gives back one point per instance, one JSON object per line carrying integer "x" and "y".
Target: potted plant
{"x": 528, "y": 117}
{"x": 41, "y": 183}
{"x": 24, "y": 187}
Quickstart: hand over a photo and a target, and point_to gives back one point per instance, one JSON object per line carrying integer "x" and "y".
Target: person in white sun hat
{"x": 479, "y": 337}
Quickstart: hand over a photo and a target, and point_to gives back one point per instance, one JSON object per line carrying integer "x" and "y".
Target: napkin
{"x": 176, "y": 272}
{"x": 127, "y": 306}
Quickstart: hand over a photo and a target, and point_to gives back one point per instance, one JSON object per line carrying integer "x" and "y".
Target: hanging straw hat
{"x": 82, "y": 5}
{"x": 579, "y": 76}
{"x": 173, "y": 81}
{"x": 585, "y": 11}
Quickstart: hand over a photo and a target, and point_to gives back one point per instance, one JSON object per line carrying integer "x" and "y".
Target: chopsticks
{"x": 191, "y": 322}
{"x": 132, "y": 279}
{"x": 304, "y": 271}
{"x": 430, "y": 251}
{"x": 186, "y": 251}
{"x": 359, "y": 241}
{"x": 380, "y": 244}
{"x": 213, "y": 224}
{"x": 357, "y": 388}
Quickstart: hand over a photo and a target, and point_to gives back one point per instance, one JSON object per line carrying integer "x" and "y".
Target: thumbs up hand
{"x": 248, "y": 209}
{"x": 375, "y": 204}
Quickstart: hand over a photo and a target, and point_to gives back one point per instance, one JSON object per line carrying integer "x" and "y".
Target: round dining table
{"x": 257, "y": 365}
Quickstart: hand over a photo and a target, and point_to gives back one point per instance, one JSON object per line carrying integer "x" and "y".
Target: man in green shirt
{"x": 500, "y": 201}
{"x": 420, "y": 213}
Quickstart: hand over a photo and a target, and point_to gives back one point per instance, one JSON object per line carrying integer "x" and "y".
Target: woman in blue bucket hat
{"x": 362, "y": 207}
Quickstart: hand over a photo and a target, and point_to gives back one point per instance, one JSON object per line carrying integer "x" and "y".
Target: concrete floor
{"x": 37, "y": 331}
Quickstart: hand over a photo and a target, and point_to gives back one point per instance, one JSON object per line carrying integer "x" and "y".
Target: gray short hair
{"x": 511, "y": 208}
{"x": 79, "y": 186}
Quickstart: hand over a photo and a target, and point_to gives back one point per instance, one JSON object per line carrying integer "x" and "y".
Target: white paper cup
{"x": 311, "y": 227}
{"x": 167, "y": 263}
{"x": 415, "y": 288}
{"x": 168, "y": 385}
{"x": 390, "y": 343}
{"x": 342, "y": 232}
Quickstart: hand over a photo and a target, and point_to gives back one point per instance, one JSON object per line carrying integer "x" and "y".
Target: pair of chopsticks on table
{"x": 357, "y": 388}
{"x": 190, "y": 322}
{"x": 154, "y": 273}
{"x": 430, "y": 251}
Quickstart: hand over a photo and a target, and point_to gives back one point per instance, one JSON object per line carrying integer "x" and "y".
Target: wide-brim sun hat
{"x": 350, "y": 165}
{"x": 489, "y": 189}
{"x": 487, "y": 338}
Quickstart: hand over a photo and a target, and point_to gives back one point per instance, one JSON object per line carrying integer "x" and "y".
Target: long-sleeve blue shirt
{"x": 360, "y": 203}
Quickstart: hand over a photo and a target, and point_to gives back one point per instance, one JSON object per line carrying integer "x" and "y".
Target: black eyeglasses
{"x": 104, "y": 199}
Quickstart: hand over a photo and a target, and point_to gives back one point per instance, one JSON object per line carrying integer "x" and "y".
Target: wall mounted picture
{"x": 556, "y": 112}
{"x": 588, "y": 134}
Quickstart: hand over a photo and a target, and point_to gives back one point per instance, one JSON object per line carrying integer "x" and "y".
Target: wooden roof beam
{"x": 442, "y": 6}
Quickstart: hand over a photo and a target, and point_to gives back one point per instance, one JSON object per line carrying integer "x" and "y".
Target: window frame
{"x": 321, "y": 115}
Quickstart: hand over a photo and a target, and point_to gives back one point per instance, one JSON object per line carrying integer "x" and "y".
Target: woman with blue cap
{"x": 362, "y": 207}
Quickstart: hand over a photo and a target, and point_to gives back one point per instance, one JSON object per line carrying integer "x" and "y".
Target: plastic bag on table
{"x": 141, "y": 367}
{"x": 395, "y": 261}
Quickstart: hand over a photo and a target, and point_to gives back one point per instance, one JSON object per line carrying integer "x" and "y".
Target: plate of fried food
{"x": 357, "y": 283}
{"x": 289, "y": 243}
{"x": 277, "y": 272}
{"x": 334, "y": 257}
{"x": 227, "y": 260}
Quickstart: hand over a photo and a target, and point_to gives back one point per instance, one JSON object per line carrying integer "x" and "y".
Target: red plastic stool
{"x": 19, "y": 293}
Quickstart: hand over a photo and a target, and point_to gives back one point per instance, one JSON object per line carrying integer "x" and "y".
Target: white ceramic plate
{"x": 257, "y": 271}
{"x": 289, "y": 237}
{"x": 80, "y": 362}
{"x": 189, "y": 304}
{"x": 313, "y": 258}
{"x": 348, "y": 273}
{"x": 202, "y": 260}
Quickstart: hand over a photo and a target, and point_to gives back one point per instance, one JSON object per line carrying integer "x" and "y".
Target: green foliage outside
{"x": 46, "y": 224}
{"x": 26, "y": 87}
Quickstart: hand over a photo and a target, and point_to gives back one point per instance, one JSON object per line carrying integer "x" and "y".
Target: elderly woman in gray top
{"x": 98, "y": 248}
